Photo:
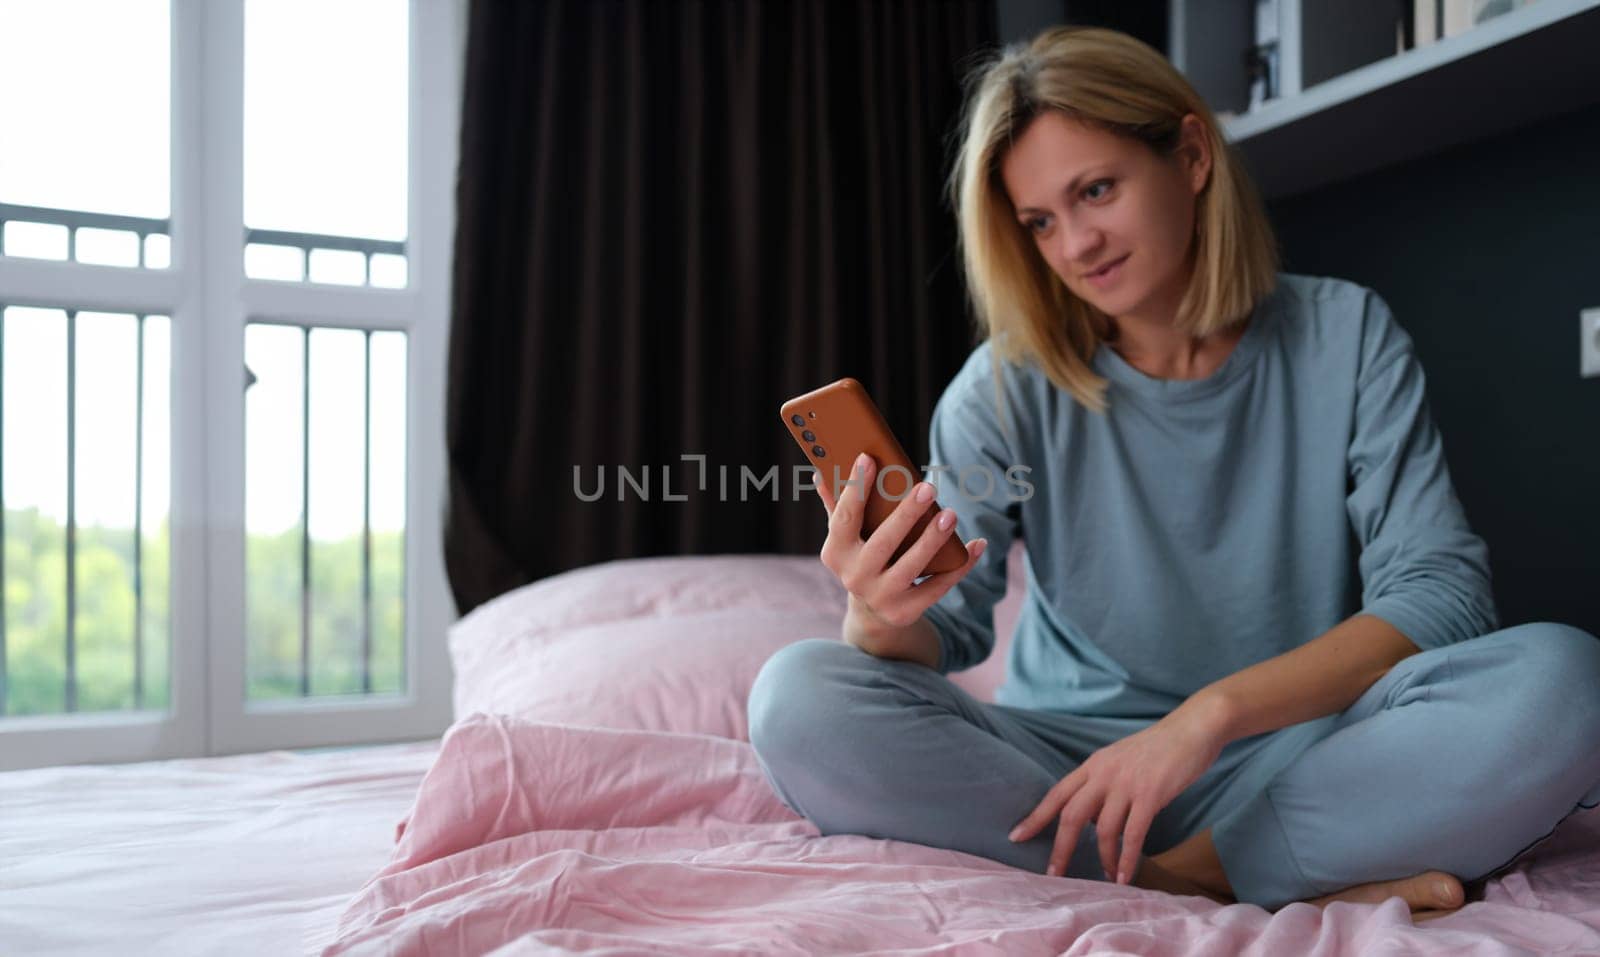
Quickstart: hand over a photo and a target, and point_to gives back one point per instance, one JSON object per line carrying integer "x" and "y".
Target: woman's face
{"x": 1091, "y": 199}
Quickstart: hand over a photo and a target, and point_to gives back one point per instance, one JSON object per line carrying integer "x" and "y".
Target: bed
{"x": 250, "y": 854}
{"x": 598, "y": 794}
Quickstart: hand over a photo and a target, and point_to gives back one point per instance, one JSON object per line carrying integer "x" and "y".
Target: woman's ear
{"x": 1194, "y": 152}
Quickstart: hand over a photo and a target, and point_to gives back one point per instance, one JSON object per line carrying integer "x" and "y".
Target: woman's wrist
{"x": 917, "y": 641}
{"x": 1210, "y": 711}
{"x": 864, "y": 622}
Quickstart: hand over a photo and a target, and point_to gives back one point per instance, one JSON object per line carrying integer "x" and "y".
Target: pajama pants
{"x": 1458, "y": 759}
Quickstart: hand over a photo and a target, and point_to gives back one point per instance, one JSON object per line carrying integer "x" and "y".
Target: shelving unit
{"x": 1347, "y": 105}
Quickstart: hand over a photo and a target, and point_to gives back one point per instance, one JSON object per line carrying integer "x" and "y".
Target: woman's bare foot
{"x": 1153, "y": 876}
{"x": 1194, "y": 868}
{"x": 1430, "y": 894}
{"x": 1423, "y": 892}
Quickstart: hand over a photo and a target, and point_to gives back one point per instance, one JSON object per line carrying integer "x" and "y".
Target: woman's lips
{"x": 1109, "y": 274}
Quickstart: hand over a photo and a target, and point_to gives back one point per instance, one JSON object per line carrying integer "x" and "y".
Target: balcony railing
{"x": 146, "y": 243}
{"x": 362, "y": 615}
{"x": 31, "y": 597}
{"x": 153, "y": 236}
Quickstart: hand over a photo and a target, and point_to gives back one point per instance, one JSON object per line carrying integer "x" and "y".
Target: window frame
{"x": 209, "y": 301}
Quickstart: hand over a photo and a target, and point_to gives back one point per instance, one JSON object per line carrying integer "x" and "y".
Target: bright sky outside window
{"x": 84, "y": 105}
{"x": 325, "y": 117}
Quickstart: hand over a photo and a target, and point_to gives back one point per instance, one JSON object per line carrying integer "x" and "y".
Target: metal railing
{"x": 144, "y": 227}
{"x": 305, "y": 609}
{"x": 70, "y": 649}
{"x": 306, "y": 243}
{"x": 75, "y": 220}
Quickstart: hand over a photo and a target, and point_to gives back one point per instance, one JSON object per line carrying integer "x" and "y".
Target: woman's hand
{"x": 1122, "y": 787}
{"x": 885, "y": 593}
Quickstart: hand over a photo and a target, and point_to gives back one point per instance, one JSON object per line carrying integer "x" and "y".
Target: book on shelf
{"x": 1263, "y": 61}
{"x": 1434, "y": 20}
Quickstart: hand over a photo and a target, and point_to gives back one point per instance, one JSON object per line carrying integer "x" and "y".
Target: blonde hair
{"x": 1114, "y": 82}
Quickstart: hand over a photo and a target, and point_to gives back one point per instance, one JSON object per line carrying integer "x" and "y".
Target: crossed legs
{"x": 1449, "y": 767}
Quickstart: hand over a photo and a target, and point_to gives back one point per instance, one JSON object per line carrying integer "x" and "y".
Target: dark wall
{"x": 1487, "y": 252}
{"x": 1145, "y": 19}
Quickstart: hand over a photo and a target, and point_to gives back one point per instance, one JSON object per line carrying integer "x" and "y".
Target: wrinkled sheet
{"x": 532, "y": 837}
{"x": 249, "y": 854}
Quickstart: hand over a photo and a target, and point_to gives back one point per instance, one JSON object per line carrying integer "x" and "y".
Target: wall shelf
{"x": 1533, "y": 62}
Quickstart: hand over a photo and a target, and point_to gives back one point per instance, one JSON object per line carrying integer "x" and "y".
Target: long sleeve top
{"x": 1204, "y": 525}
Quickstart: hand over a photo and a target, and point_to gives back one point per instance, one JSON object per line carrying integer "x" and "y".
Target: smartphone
{"x": 835, "y": 424}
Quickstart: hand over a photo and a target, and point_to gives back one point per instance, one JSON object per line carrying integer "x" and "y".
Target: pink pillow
{"x": 668, "y": 644}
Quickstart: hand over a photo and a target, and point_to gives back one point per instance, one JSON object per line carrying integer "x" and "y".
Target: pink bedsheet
{"x": 538, "y": 838}
{"x": 239, "y": 855}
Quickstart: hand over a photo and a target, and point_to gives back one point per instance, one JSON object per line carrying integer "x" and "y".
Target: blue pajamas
{"x": 1459, "y": 759}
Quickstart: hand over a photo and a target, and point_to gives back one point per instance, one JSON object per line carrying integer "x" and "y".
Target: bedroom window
{"x": 324, "y": 511}
{"x": 83, "y": 482}
{"x": 225, "y": 230}
{"x": 84, "y": 394}
{"x": 325, "y": 120}
{"x": 85, "y": 173}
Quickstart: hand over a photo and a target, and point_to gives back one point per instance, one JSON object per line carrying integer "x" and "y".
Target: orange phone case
{"x": 843, "y": 422}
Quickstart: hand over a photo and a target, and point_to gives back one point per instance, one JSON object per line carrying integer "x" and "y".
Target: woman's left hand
{"x": 1122, "y": 787}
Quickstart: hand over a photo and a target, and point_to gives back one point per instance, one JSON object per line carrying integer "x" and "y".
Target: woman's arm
{"x": 1425, "y": 574}
{"x": 1321, "y": 677}
{"x": 918, "y": 641}
{"x": 1423, "y": 569}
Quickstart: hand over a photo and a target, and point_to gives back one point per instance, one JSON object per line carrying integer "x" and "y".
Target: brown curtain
{"x": 672, "y": 217}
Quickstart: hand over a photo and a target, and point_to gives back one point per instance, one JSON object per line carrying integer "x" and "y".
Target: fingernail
{"x": 947, "y": 519}
{"x": 924, "y": 493}
{"x": 861, "y": 462}
{"x": 1121, "y": 876}
{"x": 1015, "y": 832}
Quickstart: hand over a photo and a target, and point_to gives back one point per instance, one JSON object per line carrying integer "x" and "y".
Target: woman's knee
{"x": 1551, "y": 655}
{"x": 798, "y": 695}
{"x": 1556, "y": 667}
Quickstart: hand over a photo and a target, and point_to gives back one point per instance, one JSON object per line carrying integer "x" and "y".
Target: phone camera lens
{"x": 797, "y": 420}
{"x": 809, "y": 435}
{"x": 817, "y": 450}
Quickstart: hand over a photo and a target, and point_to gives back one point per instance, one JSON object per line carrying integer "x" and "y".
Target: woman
{"x": 1258, "y": 641}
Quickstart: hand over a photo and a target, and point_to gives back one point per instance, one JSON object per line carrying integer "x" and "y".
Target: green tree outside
{"x": 35, "y": 607}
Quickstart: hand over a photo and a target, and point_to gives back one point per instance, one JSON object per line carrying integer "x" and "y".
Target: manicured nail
{"x": 924, "y": 493}
{"x": 1050, "y": 871}
{"x": 1122, "y": 878}
{"x": 1015, "y": 833}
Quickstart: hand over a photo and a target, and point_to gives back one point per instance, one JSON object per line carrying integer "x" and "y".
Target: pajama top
{"x": 1203, "y": 525}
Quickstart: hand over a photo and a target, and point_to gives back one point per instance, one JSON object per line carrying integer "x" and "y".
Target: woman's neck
{"x": 1161, "y": 351}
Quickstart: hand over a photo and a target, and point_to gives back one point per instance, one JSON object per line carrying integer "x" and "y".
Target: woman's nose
{"x": 1079, "y": 243}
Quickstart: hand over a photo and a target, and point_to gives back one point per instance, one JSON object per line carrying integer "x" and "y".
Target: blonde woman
{"x": 1258, "y": 644}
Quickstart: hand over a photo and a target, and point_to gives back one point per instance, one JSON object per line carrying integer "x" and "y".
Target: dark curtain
{"x": 671, "y": 218}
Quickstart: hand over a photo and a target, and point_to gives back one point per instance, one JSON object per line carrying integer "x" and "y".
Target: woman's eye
{"x": 1036, "y": 224}
{"x": 1096, "y": 185}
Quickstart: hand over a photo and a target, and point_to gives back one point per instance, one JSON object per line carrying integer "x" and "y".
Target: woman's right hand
{"x": 884, "y": 597}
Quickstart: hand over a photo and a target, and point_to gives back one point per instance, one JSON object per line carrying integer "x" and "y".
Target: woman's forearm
{"x": 1321, "y": 677}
